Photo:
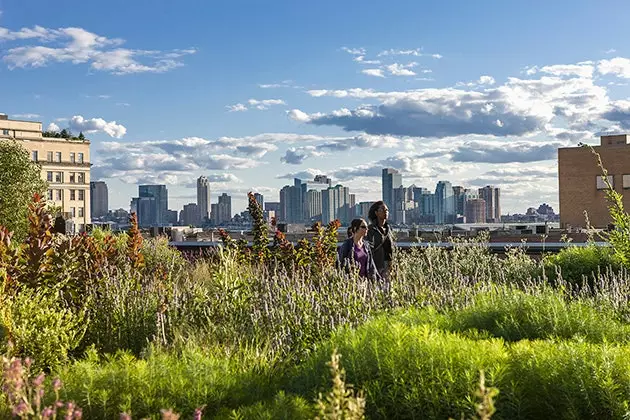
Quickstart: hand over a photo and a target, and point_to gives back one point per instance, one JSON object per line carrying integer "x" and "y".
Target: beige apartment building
{"x": 65, "y": 166}
{"x": 581, "y": 184}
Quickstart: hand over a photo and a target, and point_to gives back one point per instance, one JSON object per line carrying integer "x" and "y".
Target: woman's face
{"x": 382, "y": 212}
{"x": 361, "y": 230}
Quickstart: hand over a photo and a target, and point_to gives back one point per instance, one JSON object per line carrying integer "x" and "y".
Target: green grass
{"x": 548, "y": 357}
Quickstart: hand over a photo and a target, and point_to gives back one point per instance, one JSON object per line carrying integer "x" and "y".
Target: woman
{"x": 380, "y": 237}
{"x": 355, "y": 251}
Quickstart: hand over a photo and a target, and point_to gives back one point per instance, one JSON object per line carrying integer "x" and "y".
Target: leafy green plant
{"x": 36, "y": 323}
{"x": 619, "y": 236}
{"x": 341, "y": 402}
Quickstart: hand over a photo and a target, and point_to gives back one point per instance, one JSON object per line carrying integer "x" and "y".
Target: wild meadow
{"x": 116, "y": 326}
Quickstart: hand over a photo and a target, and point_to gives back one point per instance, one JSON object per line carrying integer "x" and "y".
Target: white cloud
{"x": 95, "y": 125}
{"x": 262, "y": 105}
{"x": 26, "y": 116}
{"x": 583, "y": 69}
{"x": 516, "y": 108}
{"x": 299, "y": 116}
{"x": 354, "y": 51}
{"x": 415, "y": 52}
{"x": 265, "y": 103}
{"x": 53, "y": 127}
{"x": 617, "y": 66}
{"x": 373, "y": 72}
{"x": 397, "y": 69}
{"x": 283, "y": 84}
{"x": 77, "y": 46}
{"x": 486, "y": 80}
{"x": 236, "y": 108}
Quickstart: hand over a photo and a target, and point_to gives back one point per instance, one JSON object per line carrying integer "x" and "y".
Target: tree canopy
{"x": 20, "y": 179}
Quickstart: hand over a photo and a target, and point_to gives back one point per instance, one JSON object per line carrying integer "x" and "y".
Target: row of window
{"x": 57, "y": 157}
{"x": 601, "y": 184}
{"x": 75, "y": 195}
{"x": 57, "y": 177}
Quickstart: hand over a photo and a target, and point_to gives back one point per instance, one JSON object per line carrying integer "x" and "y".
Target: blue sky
{"x": 251, "y": 93}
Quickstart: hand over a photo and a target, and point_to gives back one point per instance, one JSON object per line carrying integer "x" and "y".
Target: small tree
{"x": 20, "y": 180}
{"x": 81, "y": 136}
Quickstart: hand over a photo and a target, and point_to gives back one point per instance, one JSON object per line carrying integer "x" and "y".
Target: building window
{"x": 49, "y": 156}
{"x": 72, "y": 157}
{"x": 80, "y": 211}
{"x": 80, "y": 157}
{"x": 601, "y": 184}
{"x": 73, "y": 195}
{"x": 80, "y": 177}
{"x": 49, "y": 176}
{"x": 81, "y": 195}
{"x": 5, "y": 132}
{"x": 73, "y": 211}
{"x": 34, "y": 155}
{"x": 59, "y": 177}
{"x": 80, "y": 227}
{"x": 57, "y": 156}
{"x": 72, "y": 178}
{"x": 58, "y": 195}
{"x": 626, "y": 181}
{"x": 50, "y": 195}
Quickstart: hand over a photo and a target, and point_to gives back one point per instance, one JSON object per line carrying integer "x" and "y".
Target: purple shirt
{"x": 361, "y": 258}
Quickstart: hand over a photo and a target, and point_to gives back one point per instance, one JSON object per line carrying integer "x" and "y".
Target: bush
{"x": 36, "y": 324}
{"x": 515, "y": 315}
{"x": 580, "y": 265}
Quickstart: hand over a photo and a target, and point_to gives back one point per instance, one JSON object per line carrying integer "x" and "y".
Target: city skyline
{"x": 255, "y": 107}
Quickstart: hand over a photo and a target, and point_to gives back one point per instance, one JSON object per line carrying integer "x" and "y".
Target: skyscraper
{"x": 444, "y": 203}
{"x": 491, "y": 195}
{"x": 191, "y": 215}
{"x": 390, "y": 181}
{"x": 476, "y": 211}
{"x": 260, "y": 199}
{"x": 224, "y": 208}
{"x": 203, "y": 197}
{"x": 160, "y": 194}
{"x": 99, "y": 199}
{"x": 336, "y": 204}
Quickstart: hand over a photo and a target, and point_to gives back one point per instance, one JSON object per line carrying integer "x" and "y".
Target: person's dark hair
{"x": 354, "y": 226}
{"x": 373, "y": 209}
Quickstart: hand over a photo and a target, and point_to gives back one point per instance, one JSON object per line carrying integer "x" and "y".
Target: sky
{"x": 254, "y": 93}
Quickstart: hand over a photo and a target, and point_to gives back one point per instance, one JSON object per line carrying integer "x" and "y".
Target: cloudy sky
{"x": 253, "y": 93}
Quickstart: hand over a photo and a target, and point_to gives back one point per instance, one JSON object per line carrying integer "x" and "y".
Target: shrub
{"x": 36, "y": 324}
{"x": 581, "y": 265}
{"x": 515, "y": 315}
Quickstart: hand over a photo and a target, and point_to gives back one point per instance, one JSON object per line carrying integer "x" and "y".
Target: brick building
{"x": 581, "y": 185}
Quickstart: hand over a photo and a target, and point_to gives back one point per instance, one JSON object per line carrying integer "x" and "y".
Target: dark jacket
{"x": 345, "y": 257}
{"x": 382, "y": 243}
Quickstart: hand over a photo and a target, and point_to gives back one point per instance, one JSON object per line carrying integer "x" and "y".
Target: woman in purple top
{"x": 356, "y": 252}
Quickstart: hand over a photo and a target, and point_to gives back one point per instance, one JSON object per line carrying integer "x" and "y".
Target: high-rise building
{"x": 65, "y": 164}
{"x": 223, "y": 210}
{"x": 260, "y": 199}
{"x": 444, "y": 203}
{"x": 291, "y": 203}
{"x": 336, "y": 204}
{"x": 363, "y": 209}
{"x": 391, "y": 179}
{"x": 476, "y": 211}
{"x": 203, "y": 197}
{"x": 191, "y": 215}
{"x": 99, "y": 197}
{"x": 491, "y": 195}
{"x": 459, "y": 199}
{"x": 145, "y": 209}
{"x": 158, "y": 215}
{"x": 313, "y": 206}
{"x": 312, "y": 203}
{"x": 582, "y": 186}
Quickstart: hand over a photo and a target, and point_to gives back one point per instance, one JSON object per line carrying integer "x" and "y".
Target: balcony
{"x": 64, "y": 163}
